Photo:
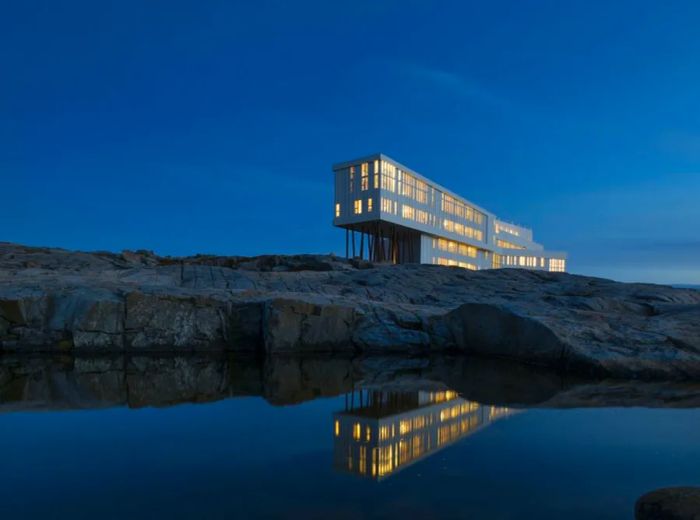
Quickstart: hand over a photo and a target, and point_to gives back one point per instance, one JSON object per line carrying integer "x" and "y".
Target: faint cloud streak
{"x": 461, "y": 86}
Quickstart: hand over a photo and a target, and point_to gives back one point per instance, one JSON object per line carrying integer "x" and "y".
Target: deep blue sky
{"x": 190, "y": 127}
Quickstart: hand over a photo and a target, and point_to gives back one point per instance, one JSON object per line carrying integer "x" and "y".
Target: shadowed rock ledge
{"x": 62, "y": 301}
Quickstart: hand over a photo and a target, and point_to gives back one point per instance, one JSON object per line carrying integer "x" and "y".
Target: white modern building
{"x": 392, "y": 214}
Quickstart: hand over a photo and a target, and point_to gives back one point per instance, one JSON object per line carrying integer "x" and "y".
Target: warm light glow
{"x": 440, "y": 419}
{"x": 358, "y": 207}
{"x": 451, "y": 246}
{"x": 517, "y": 261}
{"x": 557, "y": 265}
{"x": 388, "y": 177}
{"x": 508, "y": 245}
{"x": 356, "y": 431}
{"x": 454, "y": 225}
{"x": 505, "y": 228}
{"x": 454, "y": 263}
{"x": 461, "y": 229}
{"x": 363, "y": 460}
{"x": 388, "y": 206}
{"x": 453, "y": 206}
{"x": 364, "y": 177}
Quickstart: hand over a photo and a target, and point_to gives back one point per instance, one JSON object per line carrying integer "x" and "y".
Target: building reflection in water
{"x": 381, "y": 432}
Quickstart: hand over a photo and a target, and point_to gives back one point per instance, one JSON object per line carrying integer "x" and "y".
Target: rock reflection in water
{"x": 135, "y": 381}
{"x": 380, "y": 433}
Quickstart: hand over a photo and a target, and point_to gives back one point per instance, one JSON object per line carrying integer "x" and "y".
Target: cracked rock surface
{"x": 65, "y": 301}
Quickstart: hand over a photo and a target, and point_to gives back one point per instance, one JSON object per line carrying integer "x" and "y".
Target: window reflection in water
{"x": 382, "y": 432}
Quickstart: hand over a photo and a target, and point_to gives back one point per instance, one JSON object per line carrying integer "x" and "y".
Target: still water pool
{"x": 108, "y": 439}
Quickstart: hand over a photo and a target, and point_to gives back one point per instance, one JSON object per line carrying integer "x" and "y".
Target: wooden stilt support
{"x": 362, "y": 243}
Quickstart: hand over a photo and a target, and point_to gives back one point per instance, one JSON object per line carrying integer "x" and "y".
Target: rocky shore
{"x": 133, "y": 302}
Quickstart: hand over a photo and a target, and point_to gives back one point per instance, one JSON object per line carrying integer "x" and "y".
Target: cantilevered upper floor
{"x": 389, "y": 203}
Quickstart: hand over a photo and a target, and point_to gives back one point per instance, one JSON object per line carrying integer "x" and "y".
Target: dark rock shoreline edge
{"x": 56, "y": 300}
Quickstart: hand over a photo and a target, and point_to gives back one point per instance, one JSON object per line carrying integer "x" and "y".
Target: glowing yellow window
{"x": 337, "y": 210}
{"x": 358, "y": 207}
{"x": 356, "y": 431}
{"x": 369, "y": 205}
{"x": 337, "y": 428}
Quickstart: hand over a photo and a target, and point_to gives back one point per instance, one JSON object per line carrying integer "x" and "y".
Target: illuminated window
{"x": 455, "y": 263}
{"x": 407, "y": 186}
{"x": 508, "y": 245}
{"x": 358, "y": 207}
{"x": 384, "y": 433}
{"x": 388, "y": 176}
{"x": 356, "y": 431}
{"x": 557, "y": 265}
{"x": 500, "y": 227}
{"x": 450, "y": 204}
{"x": 363, "y": 460}
{"x": 421, "y": 192}
{"x": 387, "y": 205}
{"x": 364, "y": 177}
{"x": 351, "y": 179}
{"x": 337, "y": 428}
{"x": 337, "y": 210}
{"x": 369, "y": 205}
{"x": 461, "y": 229}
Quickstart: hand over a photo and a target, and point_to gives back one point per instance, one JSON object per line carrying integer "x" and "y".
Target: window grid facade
{"x": 456, "y": 231}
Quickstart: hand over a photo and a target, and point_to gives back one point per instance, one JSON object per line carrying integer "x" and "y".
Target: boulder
{"x": 675, "y": 503}
{"x": 495, "y": 330}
